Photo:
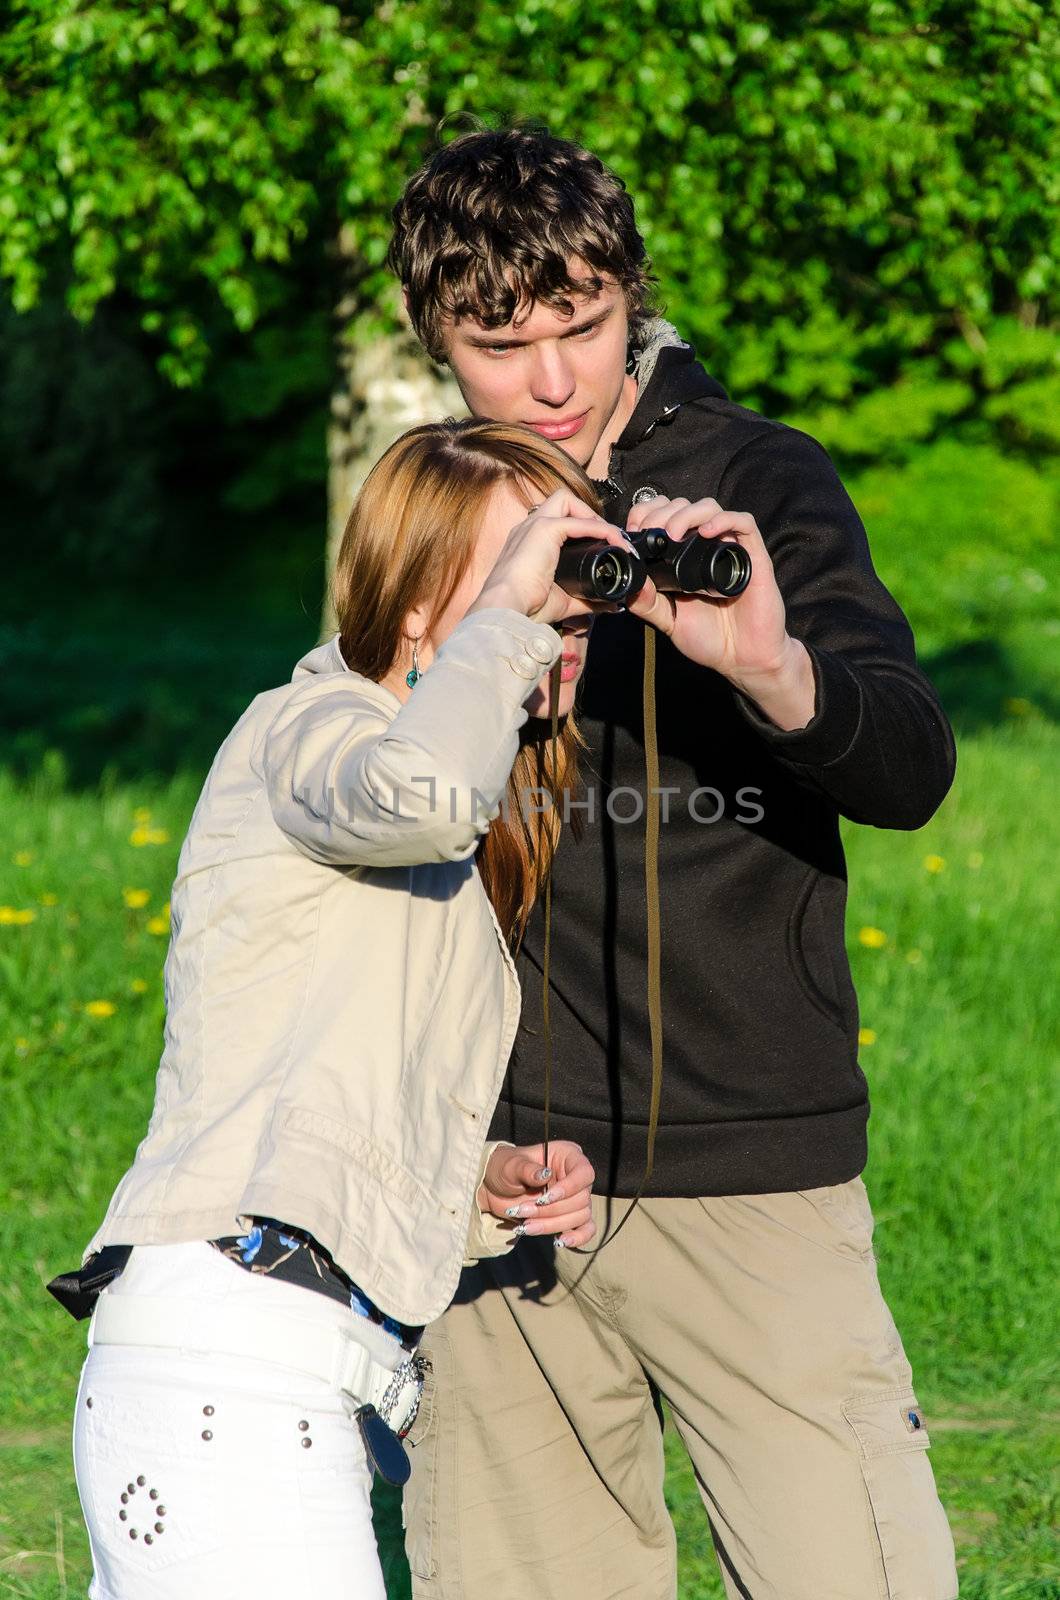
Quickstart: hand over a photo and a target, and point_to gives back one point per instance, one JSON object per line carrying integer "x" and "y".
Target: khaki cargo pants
{"x": 538, "y": 1456}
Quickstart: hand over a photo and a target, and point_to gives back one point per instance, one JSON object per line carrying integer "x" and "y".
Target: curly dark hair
{"x": 493, "y": 221}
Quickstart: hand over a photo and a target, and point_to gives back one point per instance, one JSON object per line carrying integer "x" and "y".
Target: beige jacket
{"x": 341, "y": 1003}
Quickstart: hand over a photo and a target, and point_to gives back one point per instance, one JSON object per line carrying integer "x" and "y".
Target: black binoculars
{"x": 589, "y": 569}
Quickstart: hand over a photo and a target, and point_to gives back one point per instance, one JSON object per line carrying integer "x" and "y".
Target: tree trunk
{"x": 383, "y": 388}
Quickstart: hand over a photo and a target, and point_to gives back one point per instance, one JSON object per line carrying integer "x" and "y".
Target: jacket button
{"x": 540, "y": 648}
{"x": 526, "y": 666}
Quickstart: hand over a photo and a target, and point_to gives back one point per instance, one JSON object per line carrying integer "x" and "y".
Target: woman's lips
{"x": 565, "y": 429}
{"x": 570, "y": 667}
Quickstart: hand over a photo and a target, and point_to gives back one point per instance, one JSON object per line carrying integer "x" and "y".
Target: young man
{"x": 743, "y": 1288}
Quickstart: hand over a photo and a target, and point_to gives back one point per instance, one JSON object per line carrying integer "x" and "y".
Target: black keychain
{"x": 385, "y": 1451}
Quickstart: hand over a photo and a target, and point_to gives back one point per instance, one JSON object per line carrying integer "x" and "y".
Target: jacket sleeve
{"x": 879, "y": 745}
{"x": 487, "y": 1235}
{"x": 350, "y": 785}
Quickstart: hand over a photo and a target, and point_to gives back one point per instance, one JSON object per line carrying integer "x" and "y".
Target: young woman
{"x": 341, "y": 1004}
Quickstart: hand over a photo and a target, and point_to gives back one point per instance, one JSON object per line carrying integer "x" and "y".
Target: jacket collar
{"x": 327, "y": 658}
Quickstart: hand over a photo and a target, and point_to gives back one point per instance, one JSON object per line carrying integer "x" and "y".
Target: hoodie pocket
{"x": 812, "y": 953}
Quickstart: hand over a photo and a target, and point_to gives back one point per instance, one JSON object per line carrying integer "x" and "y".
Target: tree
{"x": 831, "y": 193}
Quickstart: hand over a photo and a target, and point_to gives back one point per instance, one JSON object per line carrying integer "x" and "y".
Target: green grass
{"x": 962, "y": 1070}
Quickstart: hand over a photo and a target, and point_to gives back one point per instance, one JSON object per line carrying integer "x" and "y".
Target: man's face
{"x": 564, "y": 376}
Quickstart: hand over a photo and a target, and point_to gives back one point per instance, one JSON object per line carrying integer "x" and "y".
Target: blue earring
{"x": 412, "y": 678}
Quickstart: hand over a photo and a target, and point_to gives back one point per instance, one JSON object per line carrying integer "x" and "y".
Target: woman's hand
{"x": 537, "y": 1199}
{"x": 523, "y": 576}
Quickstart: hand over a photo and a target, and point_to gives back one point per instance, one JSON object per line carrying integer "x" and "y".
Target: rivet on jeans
{"x": 207, "y": 1411}
{"x": 306, "y": 1443}
{"x": 303, "y": 1427}
{"x": 160, "y": 1527}
{"x": 207, "y": 1434}
{"x": 148, "y": 1538}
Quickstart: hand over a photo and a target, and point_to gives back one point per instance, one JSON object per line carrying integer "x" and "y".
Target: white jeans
{"x": 211, "y": 1477}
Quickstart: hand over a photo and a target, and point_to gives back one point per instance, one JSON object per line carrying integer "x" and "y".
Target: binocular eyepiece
{"x": 590, "y": 569}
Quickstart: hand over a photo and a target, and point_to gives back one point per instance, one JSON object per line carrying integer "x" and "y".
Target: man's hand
{"x": 746, "y": 638}
{"x": 536, "y": 1199}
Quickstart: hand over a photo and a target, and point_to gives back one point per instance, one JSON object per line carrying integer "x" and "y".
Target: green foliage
{"x": 967, "y": 539}
{"x": 828, "y": 192}
{"x": 107, "y": 470}
{"x": 82, "y": 456}
{"x": 1009, "y": 380}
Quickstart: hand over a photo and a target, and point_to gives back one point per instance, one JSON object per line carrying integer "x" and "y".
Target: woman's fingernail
{"x": 546, "y": 1198}
{"x": 519, "y": 1231}
{"x": 561, "y": 1244}
{"x": 544, "y": 1175}
{"x": 515, "y": 1211}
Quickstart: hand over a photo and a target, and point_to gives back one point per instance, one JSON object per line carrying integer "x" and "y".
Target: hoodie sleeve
{"x": 879, "y": 745}
{"x": 350, "y": 785}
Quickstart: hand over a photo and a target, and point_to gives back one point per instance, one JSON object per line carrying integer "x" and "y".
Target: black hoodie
{"x": 762, "y": 1090}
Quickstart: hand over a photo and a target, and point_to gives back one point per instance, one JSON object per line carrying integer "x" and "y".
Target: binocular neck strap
{"x": 651, "y": 897}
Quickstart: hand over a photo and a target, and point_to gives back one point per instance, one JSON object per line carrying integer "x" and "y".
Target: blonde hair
{"x": 409, "y": 541}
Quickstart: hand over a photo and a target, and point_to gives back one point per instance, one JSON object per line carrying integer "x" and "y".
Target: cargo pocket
{"x": 419, "y": 1499}
{"x": 916, "y": 1547}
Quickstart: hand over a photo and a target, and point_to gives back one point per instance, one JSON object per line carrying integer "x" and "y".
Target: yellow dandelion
{"x": 142, "y": 835}
{"x": 49, "y": 899}
{"x": 136, "y": 899}
{"x": 22, "y": 858}
{"x": 158, "y": 925}
{"x": 914, "y": 957}
{"x": 873, "y": 938}
{"x": 975, "y": 860}
{"x": 866, "y": 1036}
{"x": 1016, "y": 706}
{"x": 138, "y": 986}
{"x": 100, "y": 1008}
{"x": 21, "y": 1045}
{"x": 142, "y": 814}
{"x": 13, "y": 917}
{"x": 934, "y": 863}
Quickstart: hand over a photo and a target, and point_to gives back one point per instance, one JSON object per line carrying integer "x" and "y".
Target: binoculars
{"x": 589, "y": 569}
